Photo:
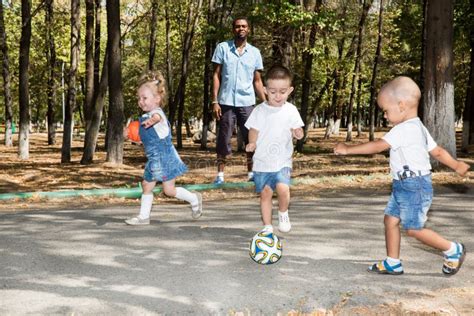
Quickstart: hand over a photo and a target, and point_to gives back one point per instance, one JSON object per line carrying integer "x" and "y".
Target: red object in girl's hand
{"x": 133, "y": 131}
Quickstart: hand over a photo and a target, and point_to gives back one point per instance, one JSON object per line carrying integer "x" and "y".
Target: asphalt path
{"x": 83, "y": 261}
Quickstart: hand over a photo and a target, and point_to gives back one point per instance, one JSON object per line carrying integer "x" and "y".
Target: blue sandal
{"x": 382, "y": 267}
{"x": 452, "y": 267}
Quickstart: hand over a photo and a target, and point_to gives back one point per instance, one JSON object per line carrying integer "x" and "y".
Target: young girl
{"x": 164, "y": 163}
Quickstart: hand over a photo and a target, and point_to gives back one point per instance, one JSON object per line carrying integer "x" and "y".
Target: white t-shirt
{"x": 161, "y": 128}
{"x": 274, "y": 141}
{"x": 413, "y": 140}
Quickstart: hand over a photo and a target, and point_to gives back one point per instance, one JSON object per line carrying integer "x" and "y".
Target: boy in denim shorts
{"x": 410, "y": 145}
{"x": 272, "y": 126}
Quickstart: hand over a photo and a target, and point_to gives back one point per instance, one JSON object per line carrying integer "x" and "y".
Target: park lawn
{"x": 315, "y": 170}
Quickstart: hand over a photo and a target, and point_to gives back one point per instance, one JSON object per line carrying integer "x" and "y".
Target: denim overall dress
{"x": 163, "y": 163}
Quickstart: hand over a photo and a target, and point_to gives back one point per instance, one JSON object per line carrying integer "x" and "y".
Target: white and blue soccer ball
{"x": 265, "y": 248}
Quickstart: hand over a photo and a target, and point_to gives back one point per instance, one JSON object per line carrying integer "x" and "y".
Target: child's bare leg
{"x": 192, "y": 198}
{"x": 266, "y": 205}
{"x": 283, "y": 191}
{"x": 169, "y": 188}
{"x": 430, "y": 238}
{"x": 148, "y": 187}
{"x": 392, "y": 236}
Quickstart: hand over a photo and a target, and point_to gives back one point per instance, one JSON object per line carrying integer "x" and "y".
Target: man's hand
{"x": 250, "y": 147}
{"x": 462, "y": 168}
{"x": 298, "y": 133}
{"x": 340, "y": 149}
{"x": 216, "y": 111}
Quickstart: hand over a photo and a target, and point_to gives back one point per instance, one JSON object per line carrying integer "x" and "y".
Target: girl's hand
{"x": 125, "y": 132}
{"x": 155, "y": 118}
{"x": 250, "y": 147}
{"x": 298, "y": 133}
{"x": 340, "y": 149}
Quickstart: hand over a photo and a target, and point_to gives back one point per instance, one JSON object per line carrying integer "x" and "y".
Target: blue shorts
{"x": 271, "y": 179}
{"x": 410, "y": 201}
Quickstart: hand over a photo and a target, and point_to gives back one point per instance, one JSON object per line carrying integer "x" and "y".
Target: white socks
{"x": 185, "y": 195}
{"x": 268, "y": 228}
{"x": 452, "y": 251}
{"x": 145, "y": 206}
{"x": 392, "y": 261}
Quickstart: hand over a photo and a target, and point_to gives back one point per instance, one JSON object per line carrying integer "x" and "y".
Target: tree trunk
{"x": 178, "y": 101}
{"x": 307, "y": 60}
{"x": 209, "y": 48}
{"x": 6, "y": 82}
{"x": 92, "y": 132}
{"x": 97, "y": 46}
{"x": 71, "y": 93}
{"x": 116, "y": 116}
{"x": 359, "y": 105}
{"x": 373, "y": 82}
{"x": 24, "y": 63}
{"x": 355, "y": 76}
{"x": 169, "y": 65}
{"x": 51, "y": 64}
{"x": 89, "y": 46}
{"x": 154, "y": 18}
{"x": 468, "y": 113}
{"x": 438, "y": 93}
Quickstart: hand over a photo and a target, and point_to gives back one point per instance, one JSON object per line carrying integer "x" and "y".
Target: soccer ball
{"x": 265, "y": 248}
{"x": 133, "y": 130}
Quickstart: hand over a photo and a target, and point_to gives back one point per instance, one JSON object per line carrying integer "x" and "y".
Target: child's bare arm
{"x": 252, "y": 145}
{"x": 155, "y": 118}
{"x": 440, "y": 154}
{"x": 369, "y": 148}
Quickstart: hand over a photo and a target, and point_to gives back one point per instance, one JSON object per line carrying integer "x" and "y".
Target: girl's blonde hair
{"x": 155, "y": 81}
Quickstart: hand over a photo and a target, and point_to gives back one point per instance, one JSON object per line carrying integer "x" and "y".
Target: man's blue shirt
{"x": 237, "y": 73}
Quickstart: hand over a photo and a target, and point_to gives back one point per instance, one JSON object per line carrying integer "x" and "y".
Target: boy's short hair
{"x": 240, "y": 18}
{"x": 279, "y": 72}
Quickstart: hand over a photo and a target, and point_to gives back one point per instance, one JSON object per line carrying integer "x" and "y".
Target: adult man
{"x": 236, "y": 79}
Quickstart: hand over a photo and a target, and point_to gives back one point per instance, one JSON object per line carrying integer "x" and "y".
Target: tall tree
{"x": 283, "y": 33}
{"x": 115, "y": 114}
{"x": 51, "y": 64}
{"x": 154, "y": 18}
{"x": 169, "y": 61}
{"x": 209, "y": 45}
{"x": 70, "y": 105}
{"x": 307, "y": 60}
{"x": 468, "y": 114}
{"x": 355, "y": 75}
{"x": 6, "y": 81}
{"x": 24, "y": 63}
{"x": 373, "y": 81}
{"x": 178, "y": 101}
{"x": 438, "y": 93}
{"x": 92, "y": 130}
{"x": 90, "y": 67}
{"x": 97, "y": 42}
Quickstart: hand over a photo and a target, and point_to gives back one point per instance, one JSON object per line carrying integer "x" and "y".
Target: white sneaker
{"x": 197, "y": 213}
{"x": 136, "y": 221}
{"x": 284, "y": 224}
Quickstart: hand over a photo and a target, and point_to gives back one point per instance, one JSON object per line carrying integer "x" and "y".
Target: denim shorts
{"x": 410, "y": 201}
{"x": 271, "y": 179}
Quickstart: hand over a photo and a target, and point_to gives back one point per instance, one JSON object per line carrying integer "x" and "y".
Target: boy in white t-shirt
{"x": 410, "y": 144}
{"x": 272, "y": 126}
